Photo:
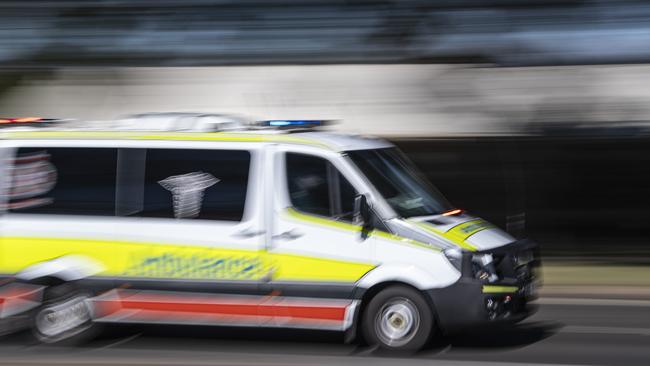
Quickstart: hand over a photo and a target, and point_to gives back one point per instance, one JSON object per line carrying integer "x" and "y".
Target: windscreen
{"x": 399, "y": 182}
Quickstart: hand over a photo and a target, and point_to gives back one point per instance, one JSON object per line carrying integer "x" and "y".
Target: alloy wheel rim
{"x": 397, "y": 322}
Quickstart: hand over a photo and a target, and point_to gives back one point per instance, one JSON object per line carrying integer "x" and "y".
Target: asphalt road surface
{"x": 564, "y": 331}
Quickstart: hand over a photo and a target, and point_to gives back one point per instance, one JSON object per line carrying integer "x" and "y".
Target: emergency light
{"x": 20, "y": 120}
{"x": 26, "y": 120}
{"x": 283, "y": 123}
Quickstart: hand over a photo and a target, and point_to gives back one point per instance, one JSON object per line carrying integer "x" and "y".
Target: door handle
{"x": 292, "y": 234}
{"x": 248, "y": 233}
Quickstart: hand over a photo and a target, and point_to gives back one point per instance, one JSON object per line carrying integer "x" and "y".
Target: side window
{"x": 67, "y": 181}
{"x": 202, "y": 184}
{"x": 316, "y": 187}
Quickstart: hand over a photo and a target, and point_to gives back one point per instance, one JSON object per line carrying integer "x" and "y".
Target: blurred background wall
{"x": 384, "y": 99}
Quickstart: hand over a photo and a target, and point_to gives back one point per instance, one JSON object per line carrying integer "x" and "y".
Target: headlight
{"x": 455, "y": 257}
{"x": 484, "y": 268}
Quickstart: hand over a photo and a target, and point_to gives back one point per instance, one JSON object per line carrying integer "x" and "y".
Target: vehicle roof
{"x": 326, "y": 140}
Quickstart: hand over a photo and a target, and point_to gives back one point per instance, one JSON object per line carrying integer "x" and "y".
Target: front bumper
{"x": 467, "y": 305}
{"x": 470, "y": 303}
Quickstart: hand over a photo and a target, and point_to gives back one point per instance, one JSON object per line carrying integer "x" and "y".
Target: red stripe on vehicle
{"x": 20, "y": 291}
{"x": 306, "y": 312}
{"x": 274, "y": 307}
{"x": 16, "y": 298}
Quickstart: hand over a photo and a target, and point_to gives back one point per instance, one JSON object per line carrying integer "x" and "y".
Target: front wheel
{"x": 398, "y": 319}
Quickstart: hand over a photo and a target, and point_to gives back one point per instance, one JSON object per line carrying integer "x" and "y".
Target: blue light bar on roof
{"x": 292, "y": 123}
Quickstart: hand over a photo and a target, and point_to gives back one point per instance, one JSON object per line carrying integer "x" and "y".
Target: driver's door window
{"x": 317, "y": 187}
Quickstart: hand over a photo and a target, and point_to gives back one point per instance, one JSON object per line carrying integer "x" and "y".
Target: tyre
{"x": 64, "y": 317}
{"x": 398, "y": 319}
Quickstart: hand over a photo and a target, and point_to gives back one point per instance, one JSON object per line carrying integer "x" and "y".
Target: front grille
{"x": 517, "y": 262}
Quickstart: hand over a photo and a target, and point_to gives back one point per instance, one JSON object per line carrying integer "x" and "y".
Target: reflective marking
{"x": 469, "y": 228}
{"x": 173, "y": 136}
{"x": 322, "y": 221}
{"x": 150, "y": 260}
{"x": 175, "y": 307}
{"x": 18, "y": 298}
{"x": 449, "y": 235}
{"x": 403, "y": 240}
{"x": 488, "y": 289}
{"x": 288, "y": 267}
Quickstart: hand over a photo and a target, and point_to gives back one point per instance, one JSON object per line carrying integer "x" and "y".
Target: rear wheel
{"x": 399, "y": 319}
{"x": 64, "y": 316}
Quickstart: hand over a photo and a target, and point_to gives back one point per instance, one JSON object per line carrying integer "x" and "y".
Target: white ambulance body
{"x": 251, "y": 227}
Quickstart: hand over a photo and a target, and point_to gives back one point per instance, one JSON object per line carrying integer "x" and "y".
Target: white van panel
{"x": 420, "y": 267}
{"x": 490, "y": 238}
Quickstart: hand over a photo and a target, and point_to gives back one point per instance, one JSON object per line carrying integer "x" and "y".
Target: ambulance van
{"x": 273, "y": 225}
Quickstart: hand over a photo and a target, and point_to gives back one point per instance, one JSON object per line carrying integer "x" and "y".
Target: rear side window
{"x": 67, "y": 181}
{"x": 317, "y": 187}
{"x": 202, "y": 184}
{"x": 160, "y": 183}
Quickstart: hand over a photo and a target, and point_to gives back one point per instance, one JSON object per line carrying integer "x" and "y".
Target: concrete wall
{"x": 393, "y": 100}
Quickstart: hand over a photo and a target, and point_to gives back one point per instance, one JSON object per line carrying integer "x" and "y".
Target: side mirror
{"x": 362, "y": 215}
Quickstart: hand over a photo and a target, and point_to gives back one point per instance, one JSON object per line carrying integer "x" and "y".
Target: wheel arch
{"x": 398, "y": 274}
{"x": 66, "y": 268}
